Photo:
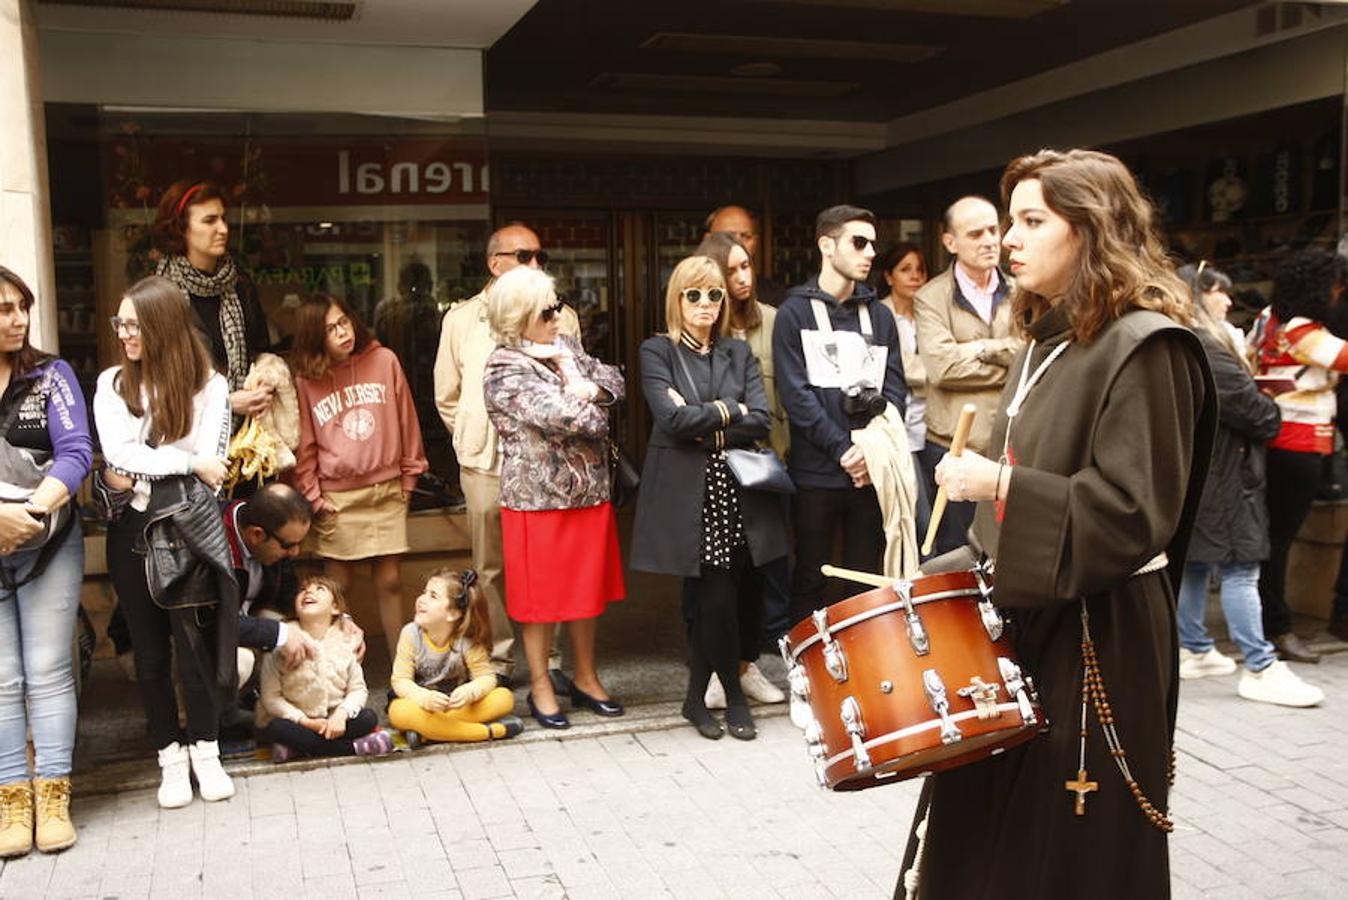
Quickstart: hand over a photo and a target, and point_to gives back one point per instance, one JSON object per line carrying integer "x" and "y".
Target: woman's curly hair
{"x": 1303, "y": 284}
{"x": 1122, "y": 263}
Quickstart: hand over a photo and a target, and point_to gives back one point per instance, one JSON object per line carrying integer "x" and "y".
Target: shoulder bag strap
{"x": 683, "y": 364}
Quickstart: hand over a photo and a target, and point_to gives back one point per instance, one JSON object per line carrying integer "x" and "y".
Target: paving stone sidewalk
{"x": 1261, "y": 804}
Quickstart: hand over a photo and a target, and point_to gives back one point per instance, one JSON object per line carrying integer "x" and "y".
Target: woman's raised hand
{"x": 210, "y": 469}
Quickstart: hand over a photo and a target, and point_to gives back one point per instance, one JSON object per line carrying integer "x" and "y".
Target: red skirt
{"x": 561, "y": 564}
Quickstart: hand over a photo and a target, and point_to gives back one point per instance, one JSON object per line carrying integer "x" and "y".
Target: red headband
{"x": 187, "y": 195}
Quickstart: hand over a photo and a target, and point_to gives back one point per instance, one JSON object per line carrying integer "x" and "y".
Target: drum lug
{"x": 984, "y": 697}
{"x": 1017, "y": 687}
{"x": 992, "y": 620}
{"x": 835, "y": 661}
{"x": 917, "y": 632}
{"x": 821, "y": 772}
{"x": 784, "y": 647}
{"x": 940, "y": 704}
{"x": 856, "y": 729}
{"x": 799, "y": 680}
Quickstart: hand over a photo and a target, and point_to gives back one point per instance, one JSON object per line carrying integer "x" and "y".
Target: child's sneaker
{"x": 281, "y": 753}
{"x": 413, "y": 739}
{"x": 376, "y": 743}
{"x": 513, "y": 725}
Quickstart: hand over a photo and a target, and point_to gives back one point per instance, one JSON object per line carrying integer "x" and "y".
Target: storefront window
{"x": 391, "y": 215}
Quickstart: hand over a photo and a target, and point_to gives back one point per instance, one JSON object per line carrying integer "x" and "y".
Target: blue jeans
{"x": 37, "y": 681}
{"x": 1240, "y": 606}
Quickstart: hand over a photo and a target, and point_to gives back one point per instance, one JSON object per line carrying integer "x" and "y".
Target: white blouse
{"x": 124, "y": 436}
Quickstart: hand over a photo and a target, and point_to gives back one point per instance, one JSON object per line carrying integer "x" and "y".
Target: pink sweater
{"x": 358, "y": 426}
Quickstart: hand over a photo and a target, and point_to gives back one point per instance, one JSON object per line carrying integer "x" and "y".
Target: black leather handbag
{"x": 624, "y": 479}
{"x": 759, "y": 470}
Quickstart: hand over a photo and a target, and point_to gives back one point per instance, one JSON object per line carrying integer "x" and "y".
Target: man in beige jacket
{"x": 465, "y": 344}
{"x": 964, "y": 338}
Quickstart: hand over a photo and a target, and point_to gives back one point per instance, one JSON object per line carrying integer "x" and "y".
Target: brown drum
{"x": 909, "y": 679}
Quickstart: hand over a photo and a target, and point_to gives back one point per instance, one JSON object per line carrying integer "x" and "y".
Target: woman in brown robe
{"x": 1105, "y": 430}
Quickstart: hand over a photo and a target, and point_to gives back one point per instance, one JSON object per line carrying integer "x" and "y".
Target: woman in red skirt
{"x": 549, "y": 402}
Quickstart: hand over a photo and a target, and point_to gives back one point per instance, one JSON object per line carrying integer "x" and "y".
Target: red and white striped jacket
{"x": 1307, "y": 353}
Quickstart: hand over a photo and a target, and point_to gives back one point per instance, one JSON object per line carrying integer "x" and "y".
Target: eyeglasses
{"x": 342, "y": 324}
{"x": 524, "y": 257}
{"x": 284, "y": 545}
{"x": 130, "y": 326}
{"x": 861, "y": 242}
{"x": 548, "y": 313}
{"x": 696, "y": 295}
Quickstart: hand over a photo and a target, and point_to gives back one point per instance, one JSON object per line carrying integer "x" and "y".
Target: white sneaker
{"x": 212, "y": 780}
{"x": 1200, "y": 665}
{"x": 757, "y": 687}
{"x": 715, "y": 696}
{"x": 1278, "y": 684}
{"x": 175, "y": 781}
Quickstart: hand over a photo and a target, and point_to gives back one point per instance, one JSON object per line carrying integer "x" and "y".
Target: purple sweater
{"x": 52, "y": 418}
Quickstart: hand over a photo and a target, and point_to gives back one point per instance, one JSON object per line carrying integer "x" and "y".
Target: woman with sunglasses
{"x": 360, "y": 449}
{"x": 548, "y": 401}
{"x": 705, "y": 393}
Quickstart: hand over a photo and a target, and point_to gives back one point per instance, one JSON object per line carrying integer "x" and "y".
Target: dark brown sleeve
{"x": 1067, "y": 536}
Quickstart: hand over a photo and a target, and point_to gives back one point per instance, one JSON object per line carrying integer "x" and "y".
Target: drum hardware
{"x": 799, "y": 680}
{"x": 856, "y": 729}
{"x": 934, "y": 688}
{"x": 835, "y": 661}
{"x": 886, "y": 687}
{"x": 814, "y": 740}
{"x": 993, "y": 623}
{"x": 983, "y": 695}
{"x": 917, "y": 632}
{"x": 1016, "y": 687}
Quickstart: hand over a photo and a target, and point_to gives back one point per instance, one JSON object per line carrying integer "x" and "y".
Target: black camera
{"x": 862, "y": 402}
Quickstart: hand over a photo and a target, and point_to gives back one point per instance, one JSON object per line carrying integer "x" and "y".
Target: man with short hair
{"x": 460, "y": 362}
{"x": 743, "y": 225}
{"x": 964, "y": 337}
{"x": 834, "y": 495}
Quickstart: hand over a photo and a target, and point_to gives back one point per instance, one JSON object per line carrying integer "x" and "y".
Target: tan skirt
{"x": 369, "y": 521}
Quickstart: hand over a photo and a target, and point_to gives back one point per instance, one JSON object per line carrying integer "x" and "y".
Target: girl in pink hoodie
{"x": 360, "y": 448}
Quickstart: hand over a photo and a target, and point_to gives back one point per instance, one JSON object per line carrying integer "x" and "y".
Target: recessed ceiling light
{"x": 653, "y": 83}
{"x": 766, "y": 47}
{"x": 756, "y": 70}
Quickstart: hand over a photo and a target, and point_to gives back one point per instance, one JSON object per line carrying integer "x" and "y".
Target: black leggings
{"x": 723, "y": 609}
{"x": 307, "y": 743}
{"x": 822, "y": 515}
{"x": 1293, "y": 478}
{"x": 155, "y": 636}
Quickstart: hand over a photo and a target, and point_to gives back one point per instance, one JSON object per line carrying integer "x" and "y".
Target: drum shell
{"x": 880, "y": 655}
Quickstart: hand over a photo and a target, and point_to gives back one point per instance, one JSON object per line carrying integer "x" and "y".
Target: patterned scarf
{"x": 223, "y": 284}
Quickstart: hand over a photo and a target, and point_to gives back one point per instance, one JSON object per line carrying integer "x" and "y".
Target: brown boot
{"x": 1294, "y": 649}
{"x": 1338, "y": 626}
{"x": 16, "y": 819}
{"x": 52, "y": 802}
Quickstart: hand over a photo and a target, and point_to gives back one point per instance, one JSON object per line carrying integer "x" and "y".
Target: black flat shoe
{"x": 547, "y": 720}
{"x": 740, "y": 723}
{"x": 562, "y": 685}
{"x": 610, "y": 707}
{"x": 703, "y": 721}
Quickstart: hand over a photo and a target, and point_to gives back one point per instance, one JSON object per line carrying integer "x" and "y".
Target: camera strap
{"x": 824, "y": 324}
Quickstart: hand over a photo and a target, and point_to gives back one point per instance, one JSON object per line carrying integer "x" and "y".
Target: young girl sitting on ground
{"x": 442, "y": 672}
{"x": 318, "y": 707}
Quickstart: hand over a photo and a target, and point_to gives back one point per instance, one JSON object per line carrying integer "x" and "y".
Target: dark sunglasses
{"x": 548, "y": 313}
{"x": 284, "y": 545}
{"x": 695, "y": 295}
{"x": 861, "y": 242}
{"x": 524, "y": 257}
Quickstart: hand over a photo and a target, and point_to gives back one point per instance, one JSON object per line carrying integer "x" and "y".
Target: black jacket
{"x": 820, "y": 431}
{"x": 1232, "y": 522}
{"x": 277, "y": 592}
{"x": 667, "y": 537}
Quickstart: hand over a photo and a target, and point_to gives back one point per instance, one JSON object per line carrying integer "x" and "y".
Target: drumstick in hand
{"x": 965, "y": 423}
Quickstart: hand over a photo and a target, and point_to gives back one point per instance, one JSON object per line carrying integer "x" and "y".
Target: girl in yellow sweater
{"x": 442, "y": 671}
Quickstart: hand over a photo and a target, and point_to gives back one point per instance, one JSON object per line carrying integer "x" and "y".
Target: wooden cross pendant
{"x": 1081, "y": 787}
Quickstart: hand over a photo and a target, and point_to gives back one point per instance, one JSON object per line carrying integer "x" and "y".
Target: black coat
{"x": 667, "y": 538}
{"x": 1232, "y": 523}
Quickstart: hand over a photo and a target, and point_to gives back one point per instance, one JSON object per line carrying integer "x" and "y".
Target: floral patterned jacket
{"x": 554, "y": 452}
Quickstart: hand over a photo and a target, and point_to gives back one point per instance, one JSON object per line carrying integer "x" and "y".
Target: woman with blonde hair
{"x": 1104, "y": 434}
{"x": 549, "y": 400}
{"x": 705, "y": 393}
